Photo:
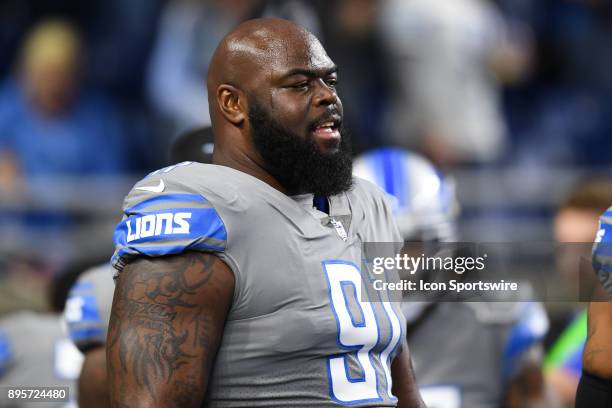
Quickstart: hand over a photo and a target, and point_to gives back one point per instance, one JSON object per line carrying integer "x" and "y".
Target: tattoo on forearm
{"x": 156, "y": 325}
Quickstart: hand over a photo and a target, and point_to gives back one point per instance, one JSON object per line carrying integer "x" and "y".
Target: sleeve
{"x": 88, "y": 307}
{"x": 602, "y": 251}
{"x": 165, "y": 217}
{"x": 524, "y": 337}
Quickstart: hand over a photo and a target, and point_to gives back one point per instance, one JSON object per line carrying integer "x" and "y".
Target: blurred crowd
{"x": 509, "y": 96}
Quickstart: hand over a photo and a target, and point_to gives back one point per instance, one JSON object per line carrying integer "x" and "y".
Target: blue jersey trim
{"x": 203, "y": 223}
{"x": 161, "y": 199}
{"x": 604, "y": 247}
{"x": 602, "y": 267}
{"x": 165, "y": 250}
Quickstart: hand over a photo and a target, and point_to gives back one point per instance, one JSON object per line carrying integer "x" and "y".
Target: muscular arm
{"x": 166, "y": 324}
{"x": 598, "y": 348}
{"x": 404, "y": 382}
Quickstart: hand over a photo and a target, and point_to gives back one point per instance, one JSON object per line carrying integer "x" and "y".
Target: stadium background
{"x": 512, "y": 98}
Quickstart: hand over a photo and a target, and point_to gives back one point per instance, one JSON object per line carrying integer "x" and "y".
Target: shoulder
{"x": 185, "y": 207}
{"x": 369, "y": 193}
{"x": 371, "y": 198}
{"x": 202, "y": 181}
{"x": 372, "y": 212}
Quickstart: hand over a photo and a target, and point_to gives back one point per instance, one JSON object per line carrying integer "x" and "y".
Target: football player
{"x": 595, "y": 387}
{"x": 88, "y": 307}
{"x": 237, "y": 282}
{"x": 465, "y": 354}
{"x": 86, "y": 314}
{"x": 576, "y": 221}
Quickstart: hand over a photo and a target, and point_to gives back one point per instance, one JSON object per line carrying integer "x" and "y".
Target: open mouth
{"x": 328, "y": 129}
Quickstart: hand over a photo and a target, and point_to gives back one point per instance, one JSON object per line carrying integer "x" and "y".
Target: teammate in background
{"x": 493, "y": 357}
{"x": 88, "y": 308}
{"x": 595, "y": 387}
{"x": 86, "y": 315}
{"x": 237, "y": 282}
{"x": 576, "y": 221}
{"x": 34, "y": 349}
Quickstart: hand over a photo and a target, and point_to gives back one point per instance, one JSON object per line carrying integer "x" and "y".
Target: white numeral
{"x": 358, "y": 336}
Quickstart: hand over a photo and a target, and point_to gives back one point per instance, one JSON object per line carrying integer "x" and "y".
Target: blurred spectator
{"x": 49, "y": 126}
{"x": 353, "y": 42}
{"x": 449, "y": 57}
{"x": 576, "y": 221}
{"x": 120, "y": 35}
{"x": 17, "y": 16}
{"x": 188, "y": 34}
{"x": 562, "y": 116}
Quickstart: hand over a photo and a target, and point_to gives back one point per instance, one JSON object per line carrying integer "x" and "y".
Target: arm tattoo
{"x": 161, "y": 330}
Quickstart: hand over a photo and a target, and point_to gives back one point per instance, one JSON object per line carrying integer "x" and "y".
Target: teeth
{"x": 327, "y": 124}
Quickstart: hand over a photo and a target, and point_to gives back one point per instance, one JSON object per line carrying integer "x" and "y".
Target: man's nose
{"x": 324, "y": 94}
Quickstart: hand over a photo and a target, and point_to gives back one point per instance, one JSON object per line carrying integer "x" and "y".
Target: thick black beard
{"x": 297, "y": 163}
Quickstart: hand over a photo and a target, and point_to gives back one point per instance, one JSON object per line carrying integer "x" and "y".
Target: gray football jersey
{"x": 88, "y": 307}
{"x": 465, "y": 354}
{"x": 297, "y": 333}
{"x": 35, "y": 352}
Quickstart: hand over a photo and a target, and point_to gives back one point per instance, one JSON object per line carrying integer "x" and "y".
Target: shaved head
{"x": 274, "y": 108}
{"x": 253, "y": 46}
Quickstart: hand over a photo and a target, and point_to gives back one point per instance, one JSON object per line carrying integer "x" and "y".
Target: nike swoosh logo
{"x": 153, "y": 189}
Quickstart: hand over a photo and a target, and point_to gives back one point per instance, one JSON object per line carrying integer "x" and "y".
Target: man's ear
{"x": 231, "y": 103}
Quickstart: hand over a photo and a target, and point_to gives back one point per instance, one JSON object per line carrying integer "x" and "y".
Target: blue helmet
{"x": 423, "y": 199}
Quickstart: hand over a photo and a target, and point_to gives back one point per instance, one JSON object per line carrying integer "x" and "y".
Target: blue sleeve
{"x": 602, "y": 249}
{"x": 157, "y": 224}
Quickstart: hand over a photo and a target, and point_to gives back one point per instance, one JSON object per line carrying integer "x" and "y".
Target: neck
{"x": 241, "y": 161}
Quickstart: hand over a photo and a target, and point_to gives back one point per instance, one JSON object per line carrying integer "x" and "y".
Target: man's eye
{"x": 332, "y": 82}
{"x": 301, "y": 86}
